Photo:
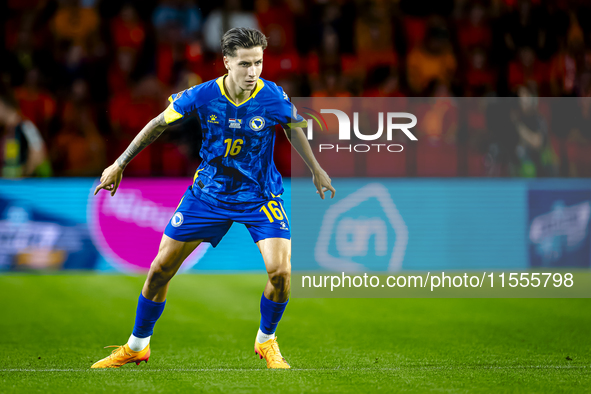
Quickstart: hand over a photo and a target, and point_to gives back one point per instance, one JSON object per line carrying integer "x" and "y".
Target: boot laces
{"x": 118, "y": 348}
{"x": 274, "y": 352}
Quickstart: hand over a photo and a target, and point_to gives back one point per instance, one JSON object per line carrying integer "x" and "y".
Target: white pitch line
{"x": 293, "y": 369}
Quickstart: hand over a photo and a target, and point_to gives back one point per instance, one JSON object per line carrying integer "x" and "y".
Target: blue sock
{"x": 148, "y": 313}
{"x": 271, "y": 313}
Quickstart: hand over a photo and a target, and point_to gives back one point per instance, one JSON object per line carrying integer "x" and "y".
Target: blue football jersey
{"x": 237, "y": 151}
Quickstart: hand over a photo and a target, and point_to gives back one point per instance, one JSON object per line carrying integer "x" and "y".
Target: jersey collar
{"x": 257, "y": 89}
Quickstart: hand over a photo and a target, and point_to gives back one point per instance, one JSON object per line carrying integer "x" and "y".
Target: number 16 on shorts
{"x": 274, "y": 212}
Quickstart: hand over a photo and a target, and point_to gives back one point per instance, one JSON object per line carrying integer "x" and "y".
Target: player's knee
{"x": 158, "y": 274}
{"x": 161, "y": 272}
{"x": 280, "y": 278}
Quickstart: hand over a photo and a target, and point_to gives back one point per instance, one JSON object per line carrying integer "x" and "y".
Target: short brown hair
{"x": 242, "y": 37}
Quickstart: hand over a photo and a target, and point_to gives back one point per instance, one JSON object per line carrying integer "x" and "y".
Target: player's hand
{"x": 110, "y": 179}
{"x": 322, "y": 182}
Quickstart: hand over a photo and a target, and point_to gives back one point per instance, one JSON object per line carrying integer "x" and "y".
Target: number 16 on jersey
{"x": 233, "y": 147}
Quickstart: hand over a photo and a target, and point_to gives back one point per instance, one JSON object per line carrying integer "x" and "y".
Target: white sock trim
{"x": 138, "y": 344}
{"x": 262, "y": 337}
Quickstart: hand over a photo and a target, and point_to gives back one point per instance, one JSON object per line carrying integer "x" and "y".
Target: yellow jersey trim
{"x": 257, "y": 89}
{"x": 170, "y": 114}
{"x": 179, "y": 203}
{"x": 302, "y": 124}
{"x": 284, "y": 214}
{"x": 196, "y": 175}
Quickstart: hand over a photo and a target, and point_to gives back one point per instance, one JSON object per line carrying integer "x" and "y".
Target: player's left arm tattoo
{"x": 149, "y": 134}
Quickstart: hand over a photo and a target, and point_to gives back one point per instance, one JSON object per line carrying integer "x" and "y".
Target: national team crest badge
{"x": 177, "y": 219}
{"x": 256, "y": 123}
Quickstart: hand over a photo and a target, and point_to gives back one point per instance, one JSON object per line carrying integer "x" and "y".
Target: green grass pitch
{"x": 52, "y": 328}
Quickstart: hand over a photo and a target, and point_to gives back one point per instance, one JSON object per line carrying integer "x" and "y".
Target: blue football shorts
{"x": 196, "y": 219}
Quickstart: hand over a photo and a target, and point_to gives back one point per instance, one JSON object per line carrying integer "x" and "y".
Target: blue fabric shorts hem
{"x": 196, "y": 219}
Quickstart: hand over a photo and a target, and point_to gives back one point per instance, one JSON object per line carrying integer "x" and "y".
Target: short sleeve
{"x": 181, "y": 105}
{"x": 287, "y": 114}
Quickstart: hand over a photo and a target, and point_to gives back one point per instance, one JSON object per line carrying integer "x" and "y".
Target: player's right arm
{"x": 181, "y": 104}
{"x": 111, "y": 177}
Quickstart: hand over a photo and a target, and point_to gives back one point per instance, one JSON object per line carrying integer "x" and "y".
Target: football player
{"x": 237, "y": 181}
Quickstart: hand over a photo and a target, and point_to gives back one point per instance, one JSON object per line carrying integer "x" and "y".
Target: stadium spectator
{"x": 374, "y": 37}
{"x": 178, "y": 24}
{"x": 566, "y": 65}
{"x": 534, "y": 152}
{"x": 339, "y": 19}
{"x": 182, "y": 16}
{"x": 222, "y": 19}
{"x": 78, "y": 149}
{"x": 526, "y": 69}
{"x": 479, "y": 78}
{"x": 474, "y": 136}
{"x": 128, "y": 112}
{"x": 434, "y": 61}
{"x": 475, "y": 31}
{"x": 575, "y": 116}
{"x": 36, "y": 103}
{"x": 79, "y": 100}
{"x": 524, "y": 28}
{"x": 280, "y": 62}
{"x": 72, "y": 62}
{"x": 74, "y": 23}
{"x": 326, "y": 56}
{"x": 127, "y": 30}
{"x": 439, "y": 116}
{"x": 331, "y": 85}
{"x": 271, "y": 17}
{"x": 25, "y": 50}
{"x": 121, "y": 69}
{"x": 23, "y": 149}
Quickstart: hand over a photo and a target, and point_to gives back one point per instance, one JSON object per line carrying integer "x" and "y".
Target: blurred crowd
{"x": 80, "y": 78}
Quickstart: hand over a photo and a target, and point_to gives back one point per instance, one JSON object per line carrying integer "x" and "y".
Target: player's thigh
{"x": 171, "y": 255}
{"x": 276, "y": 253}
{"x": 267, "y": 221}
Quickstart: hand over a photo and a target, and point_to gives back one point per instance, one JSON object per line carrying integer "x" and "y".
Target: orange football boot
{"x": 269, "y": 350}
{"x": 121, "y": 356}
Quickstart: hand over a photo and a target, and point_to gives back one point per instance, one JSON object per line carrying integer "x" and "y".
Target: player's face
{"x": 245, "y": 68}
